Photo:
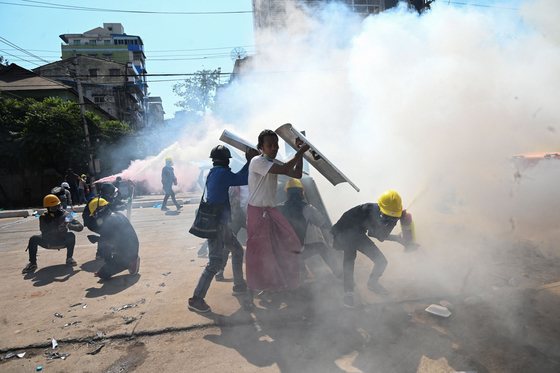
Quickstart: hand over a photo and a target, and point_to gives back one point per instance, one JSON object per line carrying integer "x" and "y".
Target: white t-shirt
{"x": 262, "y": 185}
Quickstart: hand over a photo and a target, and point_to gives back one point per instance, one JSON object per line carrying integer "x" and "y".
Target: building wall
{"x": 118, "y": 53}
{"x": 110, "y": 85}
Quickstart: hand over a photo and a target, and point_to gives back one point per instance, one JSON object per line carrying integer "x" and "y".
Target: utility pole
{"x": 86, "y": 130}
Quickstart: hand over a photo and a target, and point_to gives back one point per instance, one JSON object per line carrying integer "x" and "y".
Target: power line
{"x": 88, "y": 9}
{"x": 481, "y": 5}
{"x": 19, "y": 57}
{"x": 9, "y": 43}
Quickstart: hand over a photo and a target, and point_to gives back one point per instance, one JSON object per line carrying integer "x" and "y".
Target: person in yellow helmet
{"x": 377, "y": 220}
{"x": 54, "y": 225}
{"x": 168, "y": 179}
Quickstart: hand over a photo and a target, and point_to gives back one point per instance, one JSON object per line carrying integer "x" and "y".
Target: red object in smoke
{"x": 407, "y": 227}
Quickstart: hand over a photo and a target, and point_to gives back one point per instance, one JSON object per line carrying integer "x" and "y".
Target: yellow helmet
{"x": 50, "y": 200}
{"x": 169, "y": 159}
{"x": 293, "y": 183}
{"x": 390, "y": 204}
{"x": 95, "y": 203}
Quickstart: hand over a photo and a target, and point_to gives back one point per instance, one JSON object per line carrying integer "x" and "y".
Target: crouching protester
{"x": 378, "y": 220}
{"x": 54, "y": 225}
{"x": 117, "y": 241}
{"x": 219, "y": 180}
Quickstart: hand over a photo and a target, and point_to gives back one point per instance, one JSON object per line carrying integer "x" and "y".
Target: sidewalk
{"x": 138, "y": 202}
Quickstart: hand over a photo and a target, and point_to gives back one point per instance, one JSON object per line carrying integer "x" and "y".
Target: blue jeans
{"x": 225, "y": 239}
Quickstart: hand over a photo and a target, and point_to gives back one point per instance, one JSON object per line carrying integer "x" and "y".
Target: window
{"x": 107, "y": 42}
{"x": 137, "y": 55}
{"x": 93, "y": 73}
{"x": 114, "y": 72}
{"x": 77, "y": 42}
{"x": 108, "y": 56}
{"x": 99, "y": 99}
{"x": 92, "y": 42}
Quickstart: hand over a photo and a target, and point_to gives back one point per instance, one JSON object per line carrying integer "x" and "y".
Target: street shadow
{"x": 48, "y": 275}
{"x": 92, "y": 266}
{"x": 112, "y": 286}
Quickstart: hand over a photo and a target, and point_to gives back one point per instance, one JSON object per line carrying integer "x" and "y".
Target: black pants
{"x": 327, "y": 253}
{"x": 169, "y": 193}
{"x": 113, "y": 265}
{"x": 35, "y": 241}
{"x": 352, "y": 242}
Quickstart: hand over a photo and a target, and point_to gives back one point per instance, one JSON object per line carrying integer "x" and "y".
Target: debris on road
{"x": 21, "y": 355}
{"x": 9, "y": 356}
{"x": 126, "y": 306}
{"x": 55, "y": 355}
{"x": 438, "y": 310}
{"x": 162, "y": 284}
{"x": 39, "y": 368}
{"x": 84, "y": 306}
{"x": 74, "y": 305}
{"x": 446, "y": 304}
{"x": 473, "y": 300}
{"x": 58, "y": 315}
{"x": 100, "y": 334}
{"x": 71, "y": 323}
{"x": 514, "y": 281}
{"x": 97, "y": 349}
{"x": 54, "y": 343}
{"x": 166, "y": 273}
{"x": 157, "y": 292}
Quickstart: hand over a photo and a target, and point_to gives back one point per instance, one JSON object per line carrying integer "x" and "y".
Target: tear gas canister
{"x": 408, "y": 231}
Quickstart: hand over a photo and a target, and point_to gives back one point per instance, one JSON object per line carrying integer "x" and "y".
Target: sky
{"x": 173, "y": 43}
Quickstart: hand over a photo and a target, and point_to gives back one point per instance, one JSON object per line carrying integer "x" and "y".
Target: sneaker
{"x": 198, "y": 305}
{"x": 239, "y": 290}
{"x": 179, "y": 207}
{"x": 163, "y": 208}
{"x": 71, "y": 262}
{"x": 134, "y": 266}
{"x": 348, "y": 300}
{"x": 219, "y": 276}
{"x": 377, "y": 287}
{"x": 30, "y": 267}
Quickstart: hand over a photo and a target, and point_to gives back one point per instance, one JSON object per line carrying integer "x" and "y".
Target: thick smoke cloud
{"x": 433, "y": 106}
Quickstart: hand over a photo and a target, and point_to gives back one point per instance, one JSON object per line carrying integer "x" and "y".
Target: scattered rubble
{"x": 97, "y": 349}
{"x": 438, "y": 310}
{"x": 126, "y": 306}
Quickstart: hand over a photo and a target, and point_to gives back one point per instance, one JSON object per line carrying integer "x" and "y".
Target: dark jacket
{"x": 293, "y": 212}
{"x": 365, "y": 218}
{"x": 117, "y": 232}
{"x": 54, "y": 226}
{"x": 167, "y": 176}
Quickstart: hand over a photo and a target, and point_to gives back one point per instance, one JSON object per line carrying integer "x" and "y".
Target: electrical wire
{"x": 7, "y": 42}
{"x": 88, "y": 9}
{"x": 481, "y": 5}
{"x": 19, "y": 57}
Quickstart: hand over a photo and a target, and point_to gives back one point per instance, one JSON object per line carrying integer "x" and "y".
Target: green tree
{"x": 197, "y": 92}
{"x": 36, "y": 135}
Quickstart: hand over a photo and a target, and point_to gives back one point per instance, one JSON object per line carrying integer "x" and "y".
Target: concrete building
{"x": 155, "y": 112}
{"x": 272, "y": 13}
{"x": 17, "y": 82}
{"x": 108, "y": 43}
{"x": 114, "y": 86}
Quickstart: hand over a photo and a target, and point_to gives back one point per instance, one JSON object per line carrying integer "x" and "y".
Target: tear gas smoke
{"x": 432, "y": 106}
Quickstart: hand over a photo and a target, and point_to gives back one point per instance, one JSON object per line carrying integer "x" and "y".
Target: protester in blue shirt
{"x": 218, "y": 181}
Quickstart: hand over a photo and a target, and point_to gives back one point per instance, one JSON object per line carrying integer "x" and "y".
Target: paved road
{"x": 309, "y": 331}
